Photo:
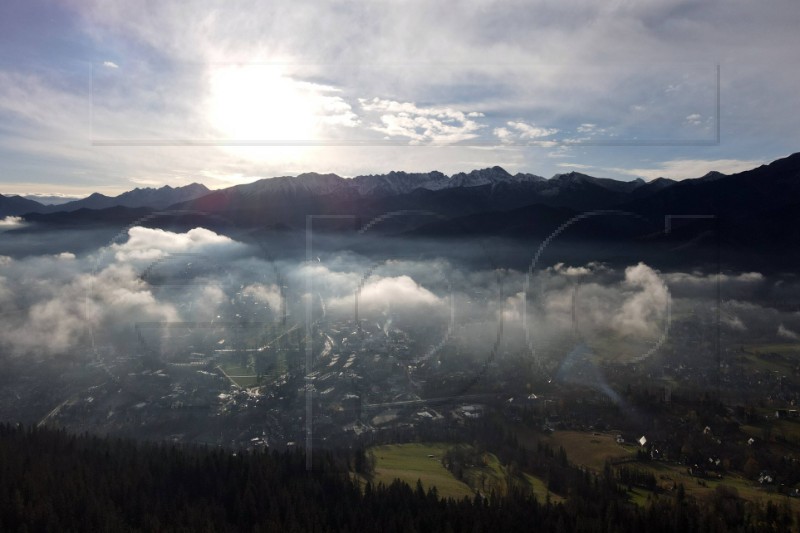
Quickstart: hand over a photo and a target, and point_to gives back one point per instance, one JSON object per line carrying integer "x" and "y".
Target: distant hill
{"x": 17, "y": 205}
{"x": 144, "y": 197}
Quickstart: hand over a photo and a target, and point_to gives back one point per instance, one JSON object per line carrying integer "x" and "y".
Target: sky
{"x": 109, "y": 95}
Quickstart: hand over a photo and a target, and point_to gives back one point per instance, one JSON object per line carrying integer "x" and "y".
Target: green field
{"x": 410, "y": 462}
{"x": 493, "y": 476}
{"x": 669, "y": 474}
{"x": 591, "y": 450}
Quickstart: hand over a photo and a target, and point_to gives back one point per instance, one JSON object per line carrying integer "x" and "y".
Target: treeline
{"x": 54, "y": 481}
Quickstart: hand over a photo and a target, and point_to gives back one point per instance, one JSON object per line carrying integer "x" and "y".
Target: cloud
{"x": 699, "y": 278}
{"x": 732, "y": 286}
{"x": 416, "y": 52}
{"x": 786, "y": 333}
{"x": 575, "y": 165}
{"x": 265, "y": 294}
{"x": 98, "y": 298}
{"x": 110, "y": 64}
{"x": 391, "y": 286}
{"x": 521, "y": 131}
{"x": 596, "y": 303}
{"x": 57, "y": 304}
{"x": 11, "y": 221}
{"x": 695, "y": 119}
{"x": 437, "y": 124}
{"x": 147, "y": 244}
{"x": 57, "y": 316}
{"x": 504, "y": 134}
{"x": 733, "y": 322}
{"x": 400, "y": 290}
{"x": 528, "y": 131}
{"x": 645, "y": 306}
{"x": 571, "y": 271}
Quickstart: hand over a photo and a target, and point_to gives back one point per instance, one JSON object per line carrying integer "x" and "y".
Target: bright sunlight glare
{"x": 258, "y": 102}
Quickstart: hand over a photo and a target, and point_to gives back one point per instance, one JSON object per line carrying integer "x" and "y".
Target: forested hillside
{"x": 52, "y": 481}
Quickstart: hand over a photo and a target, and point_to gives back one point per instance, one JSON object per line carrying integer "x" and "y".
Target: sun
{"x": 259, "y": 103}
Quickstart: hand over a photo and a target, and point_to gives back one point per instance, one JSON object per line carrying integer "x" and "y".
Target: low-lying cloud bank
{"x": 68, "y": 304}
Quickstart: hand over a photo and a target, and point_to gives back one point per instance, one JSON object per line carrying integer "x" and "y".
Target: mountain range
{"x": 572, "y": 189}
{"x": 755, "y": 211}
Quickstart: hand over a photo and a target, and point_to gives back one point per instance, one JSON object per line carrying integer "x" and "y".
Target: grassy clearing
{"x": 411, "y": 462}
{"x": 493, "y": 476}
{"x": 668, "y": 475}
{"x": 590, "y": 450}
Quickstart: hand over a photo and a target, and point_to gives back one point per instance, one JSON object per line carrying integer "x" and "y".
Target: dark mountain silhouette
{"x": 145, "y": 197}
{"x": 17, "y": 205}
{"x": 766, "y": 188}
{"x": 741, "y": 214}
{"x": 491, "y": 189}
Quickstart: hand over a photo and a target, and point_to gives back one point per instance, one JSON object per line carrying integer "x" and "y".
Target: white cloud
{"x": 575, "y": 165}
{"x": 644, "y": 308}
{"x": 401, "y": 293}
{"x": 518, "y": 130}
{"x": 695, "y": 119}
{"x": 110, "y": 64}
{"x": 266, "y": 294}
{"x": 436, "y": 55}
{"x": 11, "y": 221}
{"x": 436, "y": 124}
{"x": 695, "y": 279}
{"x": 504, "y": 134}
{"x": 56, "y": 304}
{"x": 786, "y": 333}
{"x": 571, "y": 271}
{"x": 147, "y": 244}
{"x": 57, "y": 316}
{"x": 528, "y": 131}
{"x": 733, "y": 322}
